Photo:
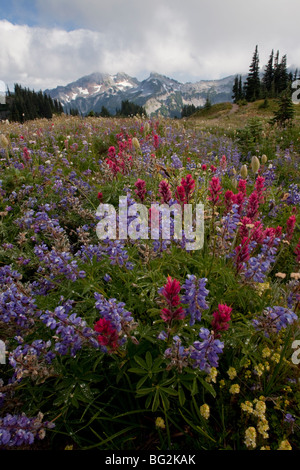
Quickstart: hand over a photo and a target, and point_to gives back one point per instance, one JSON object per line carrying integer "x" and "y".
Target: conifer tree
{"x": 283, "y": 75}
{"x": 276, "y": 75}
{"x": 104, "y": 112}
{"x": 252, "y": 85}
{"x": 237, "y": 89}
{"x": 285, "y": 112}
{"x": 268, "y": 75}
{"x": 240, "y": 90}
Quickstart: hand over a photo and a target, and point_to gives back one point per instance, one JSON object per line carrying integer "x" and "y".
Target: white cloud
{"x": 189, "y": 41}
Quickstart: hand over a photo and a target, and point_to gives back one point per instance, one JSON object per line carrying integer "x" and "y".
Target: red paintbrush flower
{"x": 170, "y": 292}
{"x": 215, "y": 190}
{"x": 108, "y": 336}
{"x": 141, "y": 189}
{"x": 165, "y": 191}
{"x": 222, "y": 317}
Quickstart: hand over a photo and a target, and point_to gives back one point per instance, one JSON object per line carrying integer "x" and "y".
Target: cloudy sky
{"x": 45, "y": 43}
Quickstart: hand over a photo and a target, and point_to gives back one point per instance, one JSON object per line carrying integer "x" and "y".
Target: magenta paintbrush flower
{"x": 140, "y": 189}
{"x": 170, "y": 292}
{"x": 215, "y": 190}
{"x": 222, "y": 317}
{"x": 165, "y": 191}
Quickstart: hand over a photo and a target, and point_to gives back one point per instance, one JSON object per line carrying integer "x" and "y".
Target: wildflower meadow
{"x": 144, "y": 343}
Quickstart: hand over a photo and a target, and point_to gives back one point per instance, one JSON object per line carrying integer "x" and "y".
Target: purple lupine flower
{"x": 2, "y": 395}
{"x": 58, "y": 263}
{"x": 230, "y": 222}
{"x": 259, "y": 266}
{"x": 176, "y": 162}
{"x": 8, "y": 275}
{"x": 28, "y": 359}
{"x": 294, "y": 195}
{"x": 88, "y": 252}
{"x": 194, "y": 297}
{"x": 289, "y": 418}
{"x": 39, "y": 221}
{"x": 116, "y": 252}
{"x": 19, "y": 430}
{"x": 71, "y": 331}
{"x": 15, "y": 306}
{"x": 115, "y": 313}
{"x": 273, "y": 319}
{"x": 205, "y": 353}
{"x": 162, "y": 335}
{"x": 178, "y": 355}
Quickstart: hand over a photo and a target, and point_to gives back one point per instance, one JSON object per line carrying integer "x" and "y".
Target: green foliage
{"x": 285, "y": 113}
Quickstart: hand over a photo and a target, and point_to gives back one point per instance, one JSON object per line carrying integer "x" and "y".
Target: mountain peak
{"x": 157, "y": 93}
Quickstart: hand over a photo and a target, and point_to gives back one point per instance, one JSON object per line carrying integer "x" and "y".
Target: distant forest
{"x": 24, "y": 105}
{"x": 128, "y": 108}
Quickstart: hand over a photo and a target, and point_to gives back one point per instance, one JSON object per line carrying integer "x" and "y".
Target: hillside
{"x": 232, "y": 115}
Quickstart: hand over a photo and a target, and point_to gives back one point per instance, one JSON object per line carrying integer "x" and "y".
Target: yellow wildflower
{"x": 266, "y": 352}
{"x": 159, "y": 423}
{"x": 259, "y": 369}
{"x": 276, "y": 357}
{"x": 235, "y": 388}
{"x": 247, "y": 406}
{"x": 250, "y": 437}
{"x": 260, "y": 409}
{"x": 263, "y": 427}
{"x": 205, "y": 411}
{"x": 247, "y": 363}
{"x": 261, "y": 287}
{"x": 285, "y": 445}
{"x": 212, "y": 375}
{"x": 231, "y": 373}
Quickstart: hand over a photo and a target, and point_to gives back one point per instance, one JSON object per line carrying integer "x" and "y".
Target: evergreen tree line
{"x": 274, "y": 81}
{"x": 128, "y": 108}
{"x": 103, "y": 113}
{"x": 24, "y": 104}
{"x": 189, "y": 109}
